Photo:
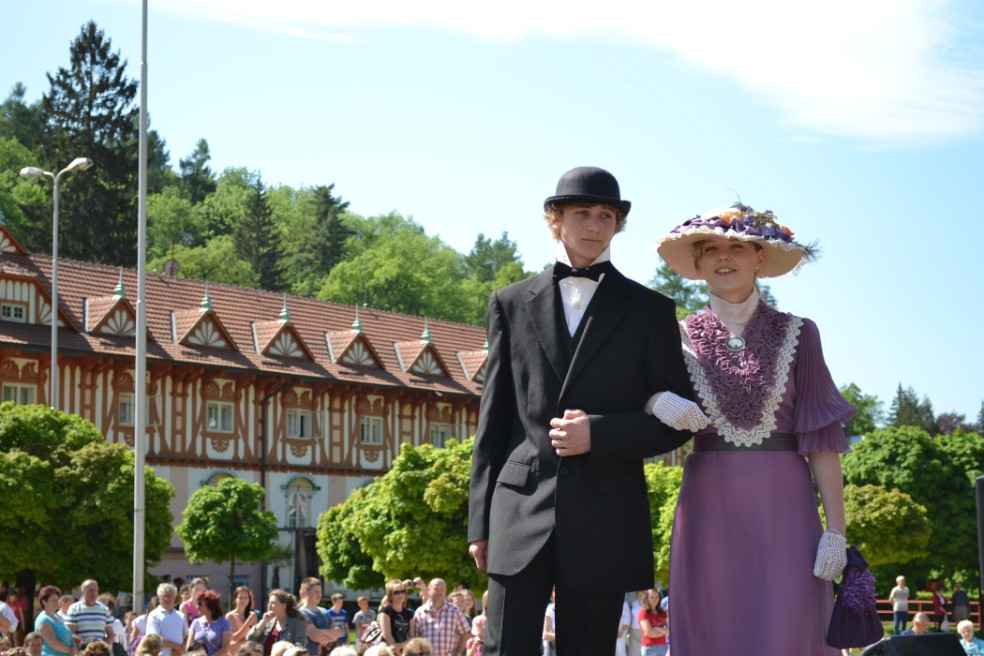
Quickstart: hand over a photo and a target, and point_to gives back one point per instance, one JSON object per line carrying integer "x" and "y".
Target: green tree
{"x": 869, "y": 408}
{"x": 15, "y": 191}
{"x": 89, "y": 112}
{"x": 258, "y": 240}
{"x": 224, "y": 522}
{"x": 980, "y": 420}
{"x": 20, "y": 120}
{"x": 316, "y": 239}
{"x": 68, "y": 501}
{"x": 908, "y": 410}
{"x": 172, "y": 221}
{"x": 690, "y": 296}
{"x": 937, "y": 474}
{"x": 487, "y": 258}
{"x": 411, "y": 521}
{"x": 663, "y": 483}
{"x": 216, "y": 261}
{"x": 886, "y": 525}
{"x": 197, "y": 180}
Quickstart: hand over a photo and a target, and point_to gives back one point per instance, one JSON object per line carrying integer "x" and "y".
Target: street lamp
{"x": 30, "y": 172}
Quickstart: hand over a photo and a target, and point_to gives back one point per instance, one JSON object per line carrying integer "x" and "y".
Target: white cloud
{"x": 880, "y": 70}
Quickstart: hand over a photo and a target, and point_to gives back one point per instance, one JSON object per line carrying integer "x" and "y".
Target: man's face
{"x": 313, "y": 595}
{"x": 336, "y": 602}
{"x": 34, "y": 646}
{"x": 167, "y": 600}
{"x": 920, "y": 626}
{"x": 586, "y": 231}
{"x": 436, "y": 592}
{"x": 90, "y": 592}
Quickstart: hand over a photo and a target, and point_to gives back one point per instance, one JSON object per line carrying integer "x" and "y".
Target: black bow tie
{"x": 592, "y": 271}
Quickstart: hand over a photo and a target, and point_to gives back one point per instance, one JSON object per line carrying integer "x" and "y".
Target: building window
{"x": 218, "y": 417}
{"x": 299, "y": 495}
{"x": 128, "y": 410}
{"x": 11, "y": 312}
{"x": 439, "y": 434}
{"x": 19, "y": 394}
{"x": 372, "y": 430}
{"x": 298, "y": 423}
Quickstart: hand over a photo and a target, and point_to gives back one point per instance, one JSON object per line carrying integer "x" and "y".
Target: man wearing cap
{"x": 557, "y": 470}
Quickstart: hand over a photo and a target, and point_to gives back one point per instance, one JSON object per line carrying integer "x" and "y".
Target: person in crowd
{"x": 920, "y": 625}
{"x": 211, "y": 627}
{"x": 8, "y": 620}
{"x": 574, "y": 352}
{"x": 549, "y": 635}
{"x": 465, "y": 601}
{"x": 17, "y": 600}
{"x": 5, "y": 644}
{"x": 128, "y": 619}
{"x": 167, "y": 622}
{"x": 241, "y": 618}
{"x": 769, "y": 417}
{"x": 344, "y": 650}
{"x": 95, "y": 647}
{"x": 635, "y": 633}
{"x": 319, "y": 622}
{"x": 64, "y": 604}
{"x": 653, "y": 624}
{"x": 339, "y": 616}
{"x": 961, "y": 603}
{"x": 88, "y": 617}
{"x": 280, "y": 647}
{"x": 281, "y": 621}
{"x": 939, "y": 606}
{"x": 138, "y": 629}
{"x": 971, "y": 643}
{"x": 395, "y": 619}
{"x": 476, "y": 644}
{"x": 34, "y": 644}
{"x": 150, "y": 645}
{"x": 364, "y": 617}
{"x": 419, "y": 646}
{"x": 12, "y": 651}
{"x": 442, "y": 623}
{"x": 250, "y": 648}
{"x": 190, "y": 607}
{"x": 624, "y": 622}
{"x": 119, "y": 630}
{"x": 899, "y": 596}
{"x": 56, "y": 637}
{"x": 382, "y": 649}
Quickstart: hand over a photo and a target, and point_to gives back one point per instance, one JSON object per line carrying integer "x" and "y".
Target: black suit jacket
{"x": 596, "y": 503}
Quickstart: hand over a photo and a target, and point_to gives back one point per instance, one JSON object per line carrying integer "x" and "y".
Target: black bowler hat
{"x": 589, "y": 184}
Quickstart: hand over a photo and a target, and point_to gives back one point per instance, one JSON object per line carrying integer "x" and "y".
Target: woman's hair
{"x": 289, "y": 601}
{"x": 249, "y": 604}
{"x": 280, "y": 647}
{"x": 95, "y": 648}
{"x": 344, "y": 650}
{"x": 960, "y": 626}
{"x": 109, "y": 601}
{"x": 555, "y": 211}
{"x": 150, "y": 644}
{"x": 47, "y": 591}
{"x": 395, "y": 584}
{"x": 646, "y": 604}
{"x": 210, "y": 599}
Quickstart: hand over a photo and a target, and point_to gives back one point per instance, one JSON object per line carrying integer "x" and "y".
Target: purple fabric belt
{"x": 775, "y": 442}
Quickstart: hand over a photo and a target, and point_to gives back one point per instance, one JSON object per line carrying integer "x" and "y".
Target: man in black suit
{"x": 558, "y": 495}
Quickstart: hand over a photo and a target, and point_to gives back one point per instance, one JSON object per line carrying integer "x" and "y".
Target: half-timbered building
{"x": 308, "y": 398}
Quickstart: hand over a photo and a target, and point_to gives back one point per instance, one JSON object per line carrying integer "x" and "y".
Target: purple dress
{"x": 746, "y": 528}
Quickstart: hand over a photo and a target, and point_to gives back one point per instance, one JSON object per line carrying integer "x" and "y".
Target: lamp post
{"x": 30, "y": 172}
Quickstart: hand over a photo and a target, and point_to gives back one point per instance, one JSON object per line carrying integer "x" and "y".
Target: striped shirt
{"x": 89, "y": 621}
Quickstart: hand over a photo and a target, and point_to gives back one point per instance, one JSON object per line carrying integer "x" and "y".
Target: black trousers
{"x": 586, "y": 621}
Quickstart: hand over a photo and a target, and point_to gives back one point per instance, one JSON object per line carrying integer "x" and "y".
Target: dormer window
{"x": 13, "y": 312}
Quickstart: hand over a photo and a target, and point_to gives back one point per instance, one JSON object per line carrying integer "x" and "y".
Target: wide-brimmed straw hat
{"x": 588, "y": 184}
{"x": 782, "y": 253}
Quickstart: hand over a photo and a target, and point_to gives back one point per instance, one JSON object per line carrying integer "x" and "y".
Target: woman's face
{"x": 654, "y": 599}
{"x": 967, "y": 632}
{"x": 197, "y": 591}
{"x": 276, "y": 606}
{"x": 242, "y": 599}
{"x": 50, "y": 603}
{"x": 729, "y": 267}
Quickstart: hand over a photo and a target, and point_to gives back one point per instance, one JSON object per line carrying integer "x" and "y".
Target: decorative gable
{"x": 112, "y": 316}
{"x": 351, "y": 348}
{"x": 473, "y": 364}
{"x": 280, "y": 339}
{"x": 9, "y": 243}
{"x": 420, "y": 358}
{"x": 198, "y": 328}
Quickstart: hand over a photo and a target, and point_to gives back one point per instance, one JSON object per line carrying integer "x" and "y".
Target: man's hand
{"x": 570, "y": 435}
{"x": 480, "y": 552}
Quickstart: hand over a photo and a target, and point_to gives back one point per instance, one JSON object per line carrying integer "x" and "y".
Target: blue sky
{"x": 859, "y": 123}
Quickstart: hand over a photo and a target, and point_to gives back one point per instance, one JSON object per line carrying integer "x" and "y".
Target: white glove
{"x": 676, "y": 412}
{"x": 831, "y": 555}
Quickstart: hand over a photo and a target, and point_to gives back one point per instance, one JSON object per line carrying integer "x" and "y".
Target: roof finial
{"x": 357, "y": 325}
{"x": 206, "y": 304}
{"x": 425, "y": 337}
{"x": 120, "y": 290}
{"x": 285, "y": 313}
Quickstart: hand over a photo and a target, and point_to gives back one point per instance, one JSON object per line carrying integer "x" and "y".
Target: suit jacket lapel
{"x": 607, "y": 307}
{"x": 544, "y": 312}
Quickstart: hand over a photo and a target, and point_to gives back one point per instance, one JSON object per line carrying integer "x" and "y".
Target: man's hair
{"x": 555, "y": 211}
{"x": 309, "y": 583}
{"x": 336, "y": 596}
{"x": 32, "y": 636}
{"x": 166, "y": 587}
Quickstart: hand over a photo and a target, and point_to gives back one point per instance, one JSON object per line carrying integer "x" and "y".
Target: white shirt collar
{"x": 563, "y": 258}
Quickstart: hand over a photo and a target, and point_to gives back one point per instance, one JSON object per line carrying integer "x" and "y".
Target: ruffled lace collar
{"x": 735, "y": 316}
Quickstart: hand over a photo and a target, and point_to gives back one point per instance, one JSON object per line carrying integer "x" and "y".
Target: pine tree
{"x": 319, "y": 240}
{"x": 20, "y": 120}
{"x": 908, "y": 410}
{"x": 89, "y": 112}
{"x": 258, "y": 240}
{"x": 197, "y": 178}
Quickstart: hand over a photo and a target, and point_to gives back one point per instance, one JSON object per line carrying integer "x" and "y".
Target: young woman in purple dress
{"x": 750, "y": 562}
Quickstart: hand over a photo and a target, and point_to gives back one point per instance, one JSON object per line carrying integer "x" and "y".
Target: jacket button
{"x": 563, "y": 471}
